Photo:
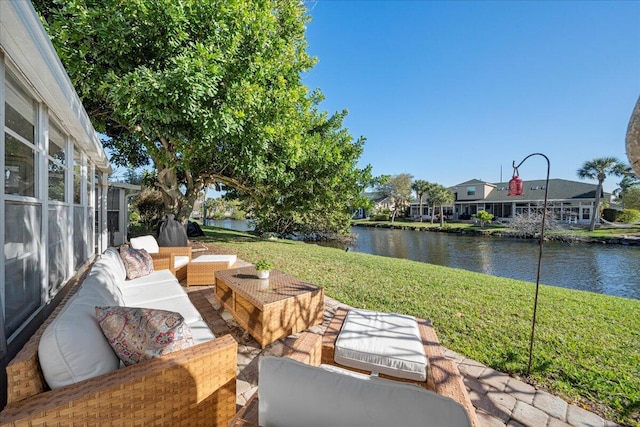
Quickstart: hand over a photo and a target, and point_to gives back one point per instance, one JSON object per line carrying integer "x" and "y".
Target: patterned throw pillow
{"x": 138, "y": 262}
{"x": 138, "y": 334}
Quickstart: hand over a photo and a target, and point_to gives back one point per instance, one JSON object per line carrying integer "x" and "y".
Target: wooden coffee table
{"x": 269, "y": 309}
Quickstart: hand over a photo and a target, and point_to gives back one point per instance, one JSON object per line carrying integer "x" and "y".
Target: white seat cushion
{"x": 157, "y": 276}
{"x": 181, "y": 304}
{"x": 200, "y": 332}
{"x": 138, "y": 296}
{"x": 180, "y": 261}
{"x": 386, "y": 343}
{"x": 229, "y": 259}
{"x": 292, "y": 394}
{"x": 148, "y": 243}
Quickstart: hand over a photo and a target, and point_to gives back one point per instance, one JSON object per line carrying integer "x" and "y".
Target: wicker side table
{"x": 202, "y": 270}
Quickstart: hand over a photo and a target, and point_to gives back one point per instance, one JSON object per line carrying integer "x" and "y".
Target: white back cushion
{"x": 292, "y": 394}
{"x": 148, "y": 243}
{"x": 111, "y": 257}
{"x": 73, "y": 347}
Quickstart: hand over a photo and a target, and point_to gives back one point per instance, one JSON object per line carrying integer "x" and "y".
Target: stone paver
{"x": 487, "y": 420}
{"x": 471, "y": 368}
{"x": 551, "y": 404}
{"x": 520, "y": 390}
{"x": 555, "y": 422}
{"x": 496, "y": 379}
{"x": 579, "y": 417}
{"x": 500, "y": 400}
{"x": 529, "y": 415}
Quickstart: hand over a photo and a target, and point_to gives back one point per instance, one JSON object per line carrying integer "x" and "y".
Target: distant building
{"x": 380, "y": 203}
{"x": 570, "y": 201}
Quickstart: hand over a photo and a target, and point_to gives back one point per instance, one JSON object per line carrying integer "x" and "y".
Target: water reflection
{"x": 607, "y": 269}
{"x": 231, "y": 224}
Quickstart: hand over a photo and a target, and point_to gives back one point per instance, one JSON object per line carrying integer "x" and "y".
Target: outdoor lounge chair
{"x": 291, "y": 393}
{"x": 174, "y": 258}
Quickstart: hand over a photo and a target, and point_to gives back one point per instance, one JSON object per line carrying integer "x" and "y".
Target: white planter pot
{"x": 263, "y": 274}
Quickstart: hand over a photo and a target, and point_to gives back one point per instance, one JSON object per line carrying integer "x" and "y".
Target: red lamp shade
{"x": 515, "y": 186}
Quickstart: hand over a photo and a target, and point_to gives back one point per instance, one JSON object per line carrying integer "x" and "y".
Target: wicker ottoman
{"x": 202, "y": 270}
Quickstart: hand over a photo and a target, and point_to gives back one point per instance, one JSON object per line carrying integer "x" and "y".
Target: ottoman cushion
{"x": 386, "y": 343}
{"x": 229, "y": 259}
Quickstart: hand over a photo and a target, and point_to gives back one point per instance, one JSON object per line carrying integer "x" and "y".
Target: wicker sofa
{"x": 194, "y": 386}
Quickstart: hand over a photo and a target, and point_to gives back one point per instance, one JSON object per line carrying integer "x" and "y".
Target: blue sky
{"x": 451, "y": 91}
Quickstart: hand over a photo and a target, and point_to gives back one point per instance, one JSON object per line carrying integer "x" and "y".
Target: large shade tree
{"x": 209, "y": 92}
{"x": 599, "y": 169}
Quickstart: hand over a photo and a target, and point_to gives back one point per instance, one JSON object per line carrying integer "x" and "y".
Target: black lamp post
{"x": 516, "y": 189}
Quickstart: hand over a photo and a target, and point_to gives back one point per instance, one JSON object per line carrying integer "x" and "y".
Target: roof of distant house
{"x": 559, "y": 189}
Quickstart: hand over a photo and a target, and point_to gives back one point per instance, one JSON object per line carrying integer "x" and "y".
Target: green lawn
{"x": 587, "y": 346}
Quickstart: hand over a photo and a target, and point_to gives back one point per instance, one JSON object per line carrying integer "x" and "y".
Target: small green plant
{"x": 484, "y": 217}
{"x": 264, "y": 264}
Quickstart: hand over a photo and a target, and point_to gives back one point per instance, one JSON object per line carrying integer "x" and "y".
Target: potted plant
{"x": 263, "y": 266}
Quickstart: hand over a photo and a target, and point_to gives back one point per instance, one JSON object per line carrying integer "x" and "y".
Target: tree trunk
{"x": 596, "y": 209}
{"x": 433, "y": 211}
{"x": 441, "y": 217}
{"x": 175, "y": 202}
{"x": 420, "y": 213}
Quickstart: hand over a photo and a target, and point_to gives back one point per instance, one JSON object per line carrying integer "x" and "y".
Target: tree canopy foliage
{"x": 209, "y": 92}
{"x": 397, "y": 189}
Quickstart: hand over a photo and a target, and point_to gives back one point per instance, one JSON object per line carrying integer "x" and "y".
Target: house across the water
{"x": 569, "y": 201}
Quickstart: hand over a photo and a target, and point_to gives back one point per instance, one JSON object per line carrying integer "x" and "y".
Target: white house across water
{"x": 569, "y": 201}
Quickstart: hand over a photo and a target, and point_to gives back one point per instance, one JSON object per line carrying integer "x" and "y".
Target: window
{"x": 113, "y": 210}
{"x": 77, "y": 177}
{"x": 57, "y": 164}
{"x": 57, "y": 247}
{"x": 20, "y": 155}
{"x": 22, "y": 287}
{"x": 471, "y": 191}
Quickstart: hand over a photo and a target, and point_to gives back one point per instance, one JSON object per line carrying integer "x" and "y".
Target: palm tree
{"x": 432, "y": 194}
{"x": 420, "y": 186}
{"x": 629, "y": 180}
{"x": 599, "y": 169}
{"x": 441, "y": 196}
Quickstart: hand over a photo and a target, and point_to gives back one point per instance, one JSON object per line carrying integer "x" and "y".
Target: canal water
{"x": 605, "y": 269}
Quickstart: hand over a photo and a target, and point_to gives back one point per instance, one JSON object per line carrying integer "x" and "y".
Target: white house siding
{"x": 53, "y": 206}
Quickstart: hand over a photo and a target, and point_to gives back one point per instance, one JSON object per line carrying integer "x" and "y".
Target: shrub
{"x": 150, "y": 206}
{"x": 628, "y": 215}
{"x": 484, "y": 217}
{"x": 379, "y": 217}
